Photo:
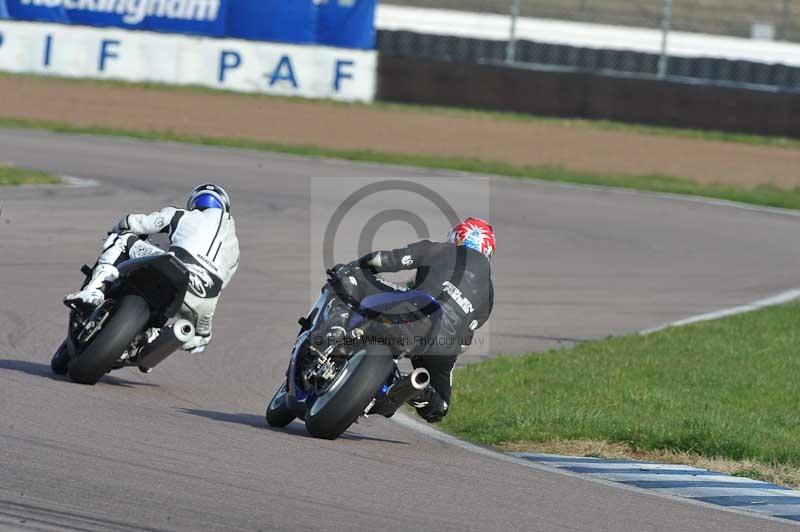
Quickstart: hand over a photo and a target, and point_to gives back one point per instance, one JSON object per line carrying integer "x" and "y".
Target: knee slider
{"x": 108, "y": 273}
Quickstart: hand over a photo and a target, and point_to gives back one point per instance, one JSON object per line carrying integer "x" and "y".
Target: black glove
{"x": 337, "y": 272}
{"x": 333, "y": 272}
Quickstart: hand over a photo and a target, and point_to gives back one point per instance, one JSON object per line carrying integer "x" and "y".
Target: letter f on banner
{"x": 106, "y": 52}
{"x": 340, "y": 73}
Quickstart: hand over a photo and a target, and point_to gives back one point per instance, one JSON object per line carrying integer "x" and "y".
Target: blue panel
{"x": 342, "y": 23}
{"x": 292, "y": 21}
{"x": 349, "y": 26}
{"x": 387, "y": 301}
{"x": 617, "y": 471}
{"x": 576, "y": 460}
{"x": 750, "y": 500}
{"x": 667, "y": 484}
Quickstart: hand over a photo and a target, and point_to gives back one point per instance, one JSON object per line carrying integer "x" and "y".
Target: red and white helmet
{"x": 476, "y": 234}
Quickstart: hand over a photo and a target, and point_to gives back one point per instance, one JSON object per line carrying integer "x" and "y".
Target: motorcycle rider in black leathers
{"x": 457, "y": 273}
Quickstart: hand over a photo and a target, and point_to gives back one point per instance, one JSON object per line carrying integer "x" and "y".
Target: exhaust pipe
{"x": 169, "y": 340}
{"x": 420, "y": 378}
{"x": 406, "y": 388}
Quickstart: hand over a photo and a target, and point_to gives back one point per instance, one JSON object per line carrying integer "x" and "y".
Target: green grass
{"x": 724, "y": 389}
{"x": 767, "y": 195}
{"x": 11, "y": 175}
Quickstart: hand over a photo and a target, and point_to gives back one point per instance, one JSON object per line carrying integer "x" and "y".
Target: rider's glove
{"x": 197, "y": 344}
{"x": 333, "y": 273}
{"x": 121, "y": 226}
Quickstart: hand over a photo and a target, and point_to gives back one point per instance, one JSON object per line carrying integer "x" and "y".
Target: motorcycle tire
{"x": 333, "y": 412}
{"x": 97, "y": 358}
{"x": 60, "y": 360}
{"x": 278, "y": 414}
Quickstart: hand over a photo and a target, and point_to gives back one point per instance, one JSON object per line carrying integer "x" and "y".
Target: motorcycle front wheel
{"x": 60, "y": 360}
{"x": 278, "y": 414}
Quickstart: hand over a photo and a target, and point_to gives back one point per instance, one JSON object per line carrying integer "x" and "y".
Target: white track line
{"x": 78, "y": 182}
{"x": 779, "y": 299}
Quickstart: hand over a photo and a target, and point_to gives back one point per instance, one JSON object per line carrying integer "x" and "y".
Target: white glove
{"x": 121, "y": 226}
{"x": 197, "y": 344}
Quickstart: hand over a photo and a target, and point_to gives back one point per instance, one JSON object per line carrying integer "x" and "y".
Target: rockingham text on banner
{"x": 344, "y": 23}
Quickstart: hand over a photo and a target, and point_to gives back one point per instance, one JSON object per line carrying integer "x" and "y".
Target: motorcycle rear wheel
{"x": 333, "y": 412}
{"x": 97, "y": 358}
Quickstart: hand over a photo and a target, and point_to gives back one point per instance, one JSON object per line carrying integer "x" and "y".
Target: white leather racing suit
{"x": 204, "y": 240}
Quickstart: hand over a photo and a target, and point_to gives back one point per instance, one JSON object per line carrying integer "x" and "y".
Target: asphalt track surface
{"x": 185, "y": 448}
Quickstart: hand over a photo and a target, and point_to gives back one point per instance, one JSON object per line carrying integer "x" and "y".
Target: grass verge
{"x": 11, "y": 175}
{"x": 767, "y": 195}
{"x": 721, "y": 393}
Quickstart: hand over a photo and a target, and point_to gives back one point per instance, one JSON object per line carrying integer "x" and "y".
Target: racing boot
{"x": 105, "y": 272}
{"x": 430, "y": 405}
{"x": 93, "y": 294}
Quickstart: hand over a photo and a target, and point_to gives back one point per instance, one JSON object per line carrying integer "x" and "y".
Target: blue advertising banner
{"x": 341, "y": 23}
{"x": 347, "y": 23}
{"x": 284, "y": 21}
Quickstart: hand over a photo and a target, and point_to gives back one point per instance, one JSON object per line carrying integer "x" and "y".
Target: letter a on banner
{"x": 283, "y": 72}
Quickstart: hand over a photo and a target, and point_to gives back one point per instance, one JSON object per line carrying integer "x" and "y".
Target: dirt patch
{"x": 398, "y": 131}
{"x": 778, "y": 474}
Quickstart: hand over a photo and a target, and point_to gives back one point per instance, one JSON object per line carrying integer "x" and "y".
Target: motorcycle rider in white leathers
{"x": 202, "y": 236}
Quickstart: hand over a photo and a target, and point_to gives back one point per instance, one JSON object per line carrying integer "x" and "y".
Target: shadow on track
{"x": 43, "y": 370}
{"x": 258, "y": 422}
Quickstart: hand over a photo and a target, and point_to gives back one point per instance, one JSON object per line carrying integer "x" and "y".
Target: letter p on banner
{"x": 228, "y": 59}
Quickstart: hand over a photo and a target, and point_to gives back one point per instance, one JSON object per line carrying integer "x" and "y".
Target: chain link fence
{"x": 761, "y": 58}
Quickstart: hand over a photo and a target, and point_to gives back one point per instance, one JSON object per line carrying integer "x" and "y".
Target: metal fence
{"x": 777, "y": 19}
{"x": 765, "y": 22}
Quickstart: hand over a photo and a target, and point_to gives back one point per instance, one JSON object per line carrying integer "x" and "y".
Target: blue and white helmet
{"x": 209, "y": 196}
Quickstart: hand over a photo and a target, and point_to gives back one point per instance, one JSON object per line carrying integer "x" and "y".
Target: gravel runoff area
{"x": 395, "y": 130}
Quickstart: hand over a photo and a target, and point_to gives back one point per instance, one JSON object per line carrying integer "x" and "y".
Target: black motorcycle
{"x": 148, "y": 293}
{"x": 331, "y": 386}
